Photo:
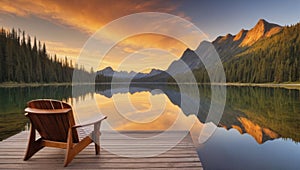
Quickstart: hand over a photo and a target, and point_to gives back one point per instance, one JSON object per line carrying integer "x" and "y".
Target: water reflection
{"x": 228, "y": 149}
{"x": 134, "y": 108}
{"x": 153, "y": 112}
{"x": 13, "y": 101}
{"x": 253, "y": 118}
{"x": 263, "y": 113}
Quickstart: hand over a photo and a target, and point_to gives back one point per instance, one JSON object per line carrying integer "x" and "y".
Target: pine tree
{"x": 22, "y": 62}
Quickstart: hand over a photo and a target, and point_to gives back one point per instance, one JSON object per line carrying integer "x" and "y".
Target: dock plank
{"x": 181, "y": 156}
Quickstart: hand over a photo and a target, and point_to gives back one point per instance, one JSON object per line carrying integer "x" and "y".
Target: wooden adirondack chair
{"x": 55, "y": 123}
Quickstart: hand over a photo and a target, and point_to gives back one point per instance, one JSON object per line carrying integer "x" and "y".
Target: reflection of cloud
{"x": 171, "y": 115}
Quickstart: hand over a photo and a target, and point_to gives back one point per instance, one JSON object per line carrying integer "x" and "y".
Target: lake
{"x": 259, "y": 129}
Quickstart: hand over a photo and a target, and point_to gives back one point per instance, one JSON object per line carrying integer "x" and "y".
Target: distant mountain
{"x": 190, "y": 58}
{"x": 189, "y": 61}
{"x": 107, "y": 74}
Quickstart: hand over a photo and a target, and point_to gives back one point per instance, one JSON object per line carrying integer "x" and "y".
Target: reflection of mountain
{"x": 108, "y": 92}
{"x": 249, "y": 110}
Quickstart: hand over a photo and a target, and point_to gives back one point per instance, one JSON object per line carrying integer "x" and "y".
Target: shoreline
{"x": 292, "y": 85}
{"x": 295, "y": 85}
{"x": 13, "y": 84}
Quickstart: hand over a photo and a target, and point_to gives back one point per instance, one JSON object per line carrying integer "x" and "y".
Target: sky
{"x": 66, "y": 26}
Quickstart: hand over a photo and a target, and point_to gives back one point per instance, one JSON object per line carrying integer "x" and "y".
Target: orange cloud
{"x": 87, "y": 16}
{"x": 139, "y": 42}
{"x": 62, "y": 50}
{"x": 134, "y": 48}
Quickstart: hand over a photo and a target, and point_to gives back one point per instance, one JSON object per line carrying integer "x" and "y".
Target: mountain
{"x": 107, "y": 74}
{"x": 188, "y": 61}
{"x": 266, "y": 53}
{"x": 229, "y": 45}
{"x": 273, "y": 58}
{"x": 262, "y": 29}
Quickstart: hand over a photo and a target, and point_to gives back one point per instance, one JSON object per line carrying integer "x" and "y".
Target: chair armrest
{"x": 88, "y": 123}
{"x": 46, "y": 111}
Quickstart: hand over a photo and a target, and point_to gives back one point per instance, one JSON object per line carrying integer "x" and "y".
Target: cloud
{"x": 140, "y": 42}
{"x": 148, "y": 50}
{"x": 87, "y": 16}
{"x": 62, "y": 50}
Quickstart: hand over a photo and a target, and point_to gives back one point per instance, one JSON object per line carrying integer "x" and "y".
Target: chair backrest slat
{"x": 53, "y": 125}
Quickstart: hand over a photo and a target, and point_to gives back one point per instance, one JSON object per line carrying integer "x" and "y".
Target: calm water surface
{"x": 259, "y": 129}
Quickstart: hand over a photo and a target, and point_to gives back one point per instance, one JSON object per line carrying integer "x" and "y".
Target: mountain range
{"x": 266, "y": 53}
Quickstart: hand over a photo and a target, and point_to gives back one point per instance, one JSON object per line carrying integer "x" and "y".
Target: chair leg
{"x": 33, "y": 145}
{"x": 96, "y": 135}
{"x": 97, "y": 148}
{"x": 69, "y": 155}
{"x": 74, "y": 149}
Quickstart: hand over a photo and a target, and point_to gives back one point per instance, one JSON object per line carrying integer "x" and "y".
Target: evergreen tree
{"x": 22, "y": 62}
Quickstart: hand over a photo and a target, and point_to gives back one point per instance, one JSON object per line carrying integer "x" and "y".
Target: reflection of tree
{"x": 264, "y": 113}
{"x": 13, "y": 101}
{"x": 274, "y": 109}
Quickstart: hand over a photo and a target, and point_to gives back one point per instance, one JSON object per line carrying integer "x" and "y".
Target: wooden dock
{"x": 181, "y": 156}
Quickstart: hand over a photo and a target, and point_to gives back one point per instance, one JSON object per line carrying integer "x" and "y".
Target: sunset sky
{"x": 65, "y": 26}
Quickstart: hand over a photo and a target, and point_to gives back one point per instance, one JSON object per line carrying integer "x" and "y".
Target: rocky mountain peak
{"x": 225, "y": 38}
{"x": 260, "y": 30}
{"x": 230, "y": 45}
{"x": 262, "y": 22}
{"x": 241, "y": 35}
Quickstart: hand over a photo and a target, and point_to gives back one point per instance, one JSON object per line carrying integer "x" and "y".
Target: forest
{"x": 22, "y": 62}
